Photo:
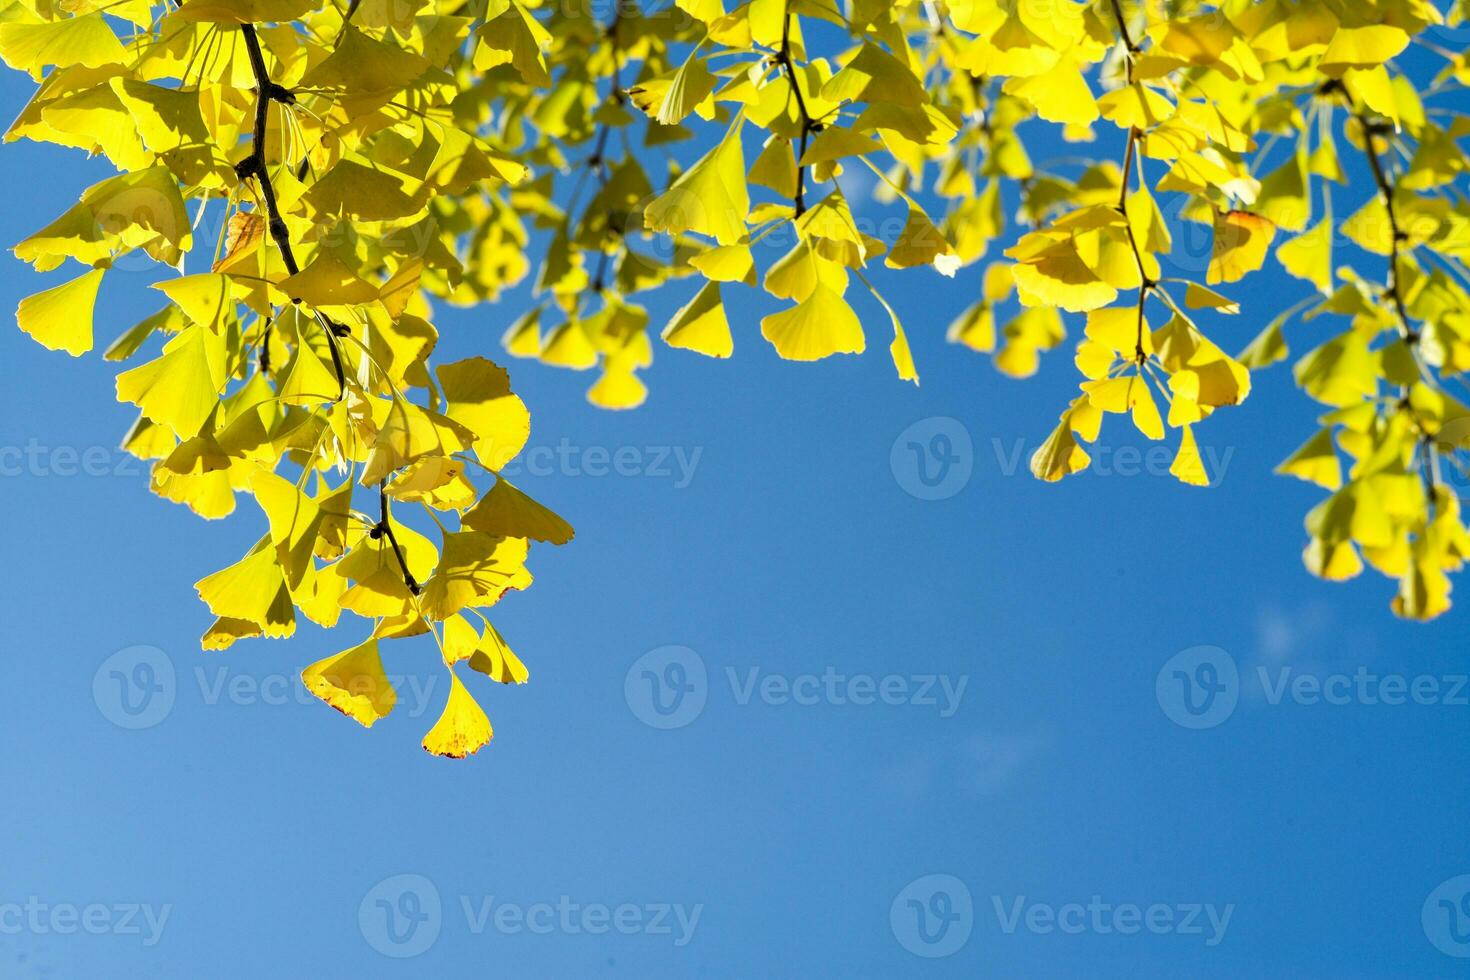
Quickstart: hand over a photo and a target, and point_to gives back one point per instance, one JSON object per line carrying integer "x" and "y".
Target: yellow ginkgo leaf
{"x": 1060, "y": 94}
{"x": 1339, "y": 372}
{"x": 733, "y": 263}
{"x": 463, "y": 729}
{"x": 60, "y": 318}
{"x": 475, "y": 569}
{"x": 922, "y": 243}
{"x": 205, "y": 298}
{"x": 523, "y": 338}
{"x": 508, "y": 512}
{"x": 1188, "y": 467}
{"x": 365, "y": 190}
{"x": 245, "y": 11}
{"x": 181, "y": 387}
{"x": 1362, "y": 47}
{"x": 252, "y": 589}
{"x": 320, "y": 596}
{"x": 690, "y": 86}
{"x": 1061, "y": 455}
{"x": 166, "y": 119}
{"x": 1268, "y": 348}
{"x": 1135, "y": 106}
{"x": 711, "y": 198}
{"x": 294, "y": 519}
{"x": 1424, "y": 590}
{"x": 328, "y": 281}
{"x": 209, "y": 494}
{"x": 375, "y": 566}
{"x": 903, "y": 357}
{"x": 1241, "y": 242}
{"x": 459, "y": 640}
{"x": 1309, "y": 255}
{"x": 478, "y": 396}
{"x": 797, "y": 273}
{"x": 408, "y": 433}
{"x": 1128, "y": 394}
{"x": 435, "y": 481}
{"x": 975, "y": 328}
{"x": 354, "y": 683}
{"x": 874, "y": 75}
{"x": 143, "y": 209}
{"x": 307, "y": 378}
{"x": 1060, "y": 278}
{"x": 568, "y": 346}
{"x": 223, "y": 633}
{"x": 1316, "y": 462}
{"x": 1198, "y": 297}
{"x": 618, "y": 388}
{"x": 701, "y": 326}
{"x": 837, "y": 143}
{"x": 820, "y": 326}
{"x": 830, "y": 227}
{"x": 516, "y": 38}
{"x": 495, "y": 659}
{"x": 776, "y": 168}
{"x": 1334, "y": 561}
{"x": 32, "y": 46}
{"x": 1034, "y": 330}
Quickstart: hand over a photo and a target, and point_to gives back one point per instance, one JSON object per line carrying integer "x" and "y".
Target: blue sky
{"x": 787, "y": 717}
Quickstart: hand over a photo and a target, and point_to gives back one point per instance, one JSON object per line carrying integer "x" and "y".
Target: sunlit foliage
{"x": 357, "y": 163}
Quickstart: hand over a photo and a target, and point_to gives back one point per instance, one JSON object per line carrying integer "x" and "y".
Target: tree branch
{"x": 783, "y": 58}
{"x": 385, "y": 529}
{"x": 1394, "y": 288}
{"x": 254, "y": 165}
{"x": 1123, "y": 30}
{"x": 1385, "y": 190}
{"x": 598, "y": 160}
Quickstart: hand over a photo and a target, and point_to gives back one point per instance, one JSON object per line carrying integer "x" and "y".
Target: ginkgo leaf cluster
{"x": 315, "y": 181}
